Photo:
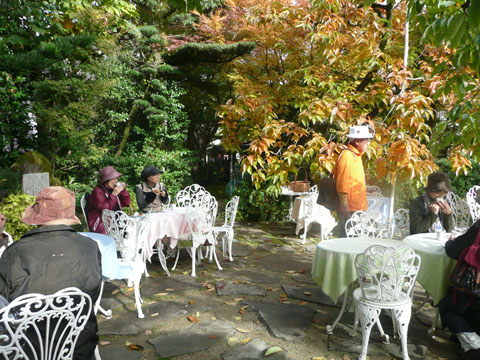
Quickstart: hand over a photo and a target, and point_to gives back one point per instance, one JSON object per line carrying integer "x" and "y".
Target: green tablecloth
{"x": 436, "y": 266}
{"x": 334, "y": 263}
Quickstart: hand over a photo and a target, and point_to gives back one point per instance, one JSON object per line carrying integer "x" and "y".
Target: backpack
{"x": 327, "y": 193}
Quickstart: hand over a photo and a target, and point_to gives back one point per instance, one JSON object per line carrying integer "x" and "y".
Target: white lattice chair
{"x": 190, "y": 194}
{"x": 401, "y": 221}
{"x": 372, "y": 224}
{"x": 25, "y": 319}
{"x": 314, "y": 213}
{"x": 461, "y": 212}
{"x": 386, "y": 276}
{"x": 354, "y": 225}
{"x": 9, "y": 242}
{"x": 201, "y": 218}
{"x": 473, "y": 205}
{"x": 314, "y": 192}
{"x": 373, "y": 190}
{"x": 130, "y": 237}
{"x": 227, "y": 227}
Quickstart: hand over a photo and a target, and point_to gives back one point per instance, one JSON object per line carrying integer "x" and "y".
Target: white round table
{"x": 436, "y": 266}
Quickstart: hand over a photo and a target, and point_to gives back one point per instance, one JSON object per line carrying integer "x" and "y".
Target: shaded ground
{"x": 264, "y": 299}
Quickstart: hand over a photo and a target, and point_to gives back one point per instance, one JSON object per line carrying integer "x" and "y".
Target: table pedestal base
{"x": 329, "y": 328}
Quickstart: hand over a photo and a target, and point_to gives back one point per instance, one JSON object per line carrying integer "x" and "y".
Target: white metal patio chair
{"x": 386, "y": 276}
{"x": 354, "y": 225}
{"x": 371, "y": 224}
{"x": 190, "y": 194}
{"x": 36, "y": 326}
{"x": 314, "y": 213}
{"x": 461, "y": 212}
{"x": 373, "y": 190}
{"x": 401, "y": 224}
{"x": 130, "y": 237}
{"x": 314, "y": 192}
{"x": 227, "y": 227}
{"x": 9, "y": 242}
{"x": 473, "y": 205}
{"x": 200, "y": 217}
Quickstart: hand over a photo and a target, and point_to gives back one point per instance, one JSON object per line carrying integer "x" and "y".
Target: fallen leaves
{"x": 238, "y": 318}
{"x": 346, "y": 357}
{"x": 247, "y": 340}
{"x": 212, "y": 337}
{"x": 115, "y": 292}
{"x": 243, "y": 331}
{"x": 103, "y": 343}
{"x": 154, "y": 314}
{"x": 191, "y": 302}
{"x": 272, "y": 350}
{"x": 308, "y": 293}
{"x": 169, "y": 289}
{"x": 148, "y": 332}
{"x": 131, "y": 346}
{"x": 232, "y": 341}
{"x": 161, "y": 294}
{"x": 192, "y": 319}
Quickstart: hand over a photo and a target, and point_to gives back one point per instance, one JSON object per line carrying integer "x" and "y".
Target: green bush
{"x": 9, "y": 180}
{"x": 12, "y": 207}
{"x": 260, "y": 205}
{"x": 461, "y": 183}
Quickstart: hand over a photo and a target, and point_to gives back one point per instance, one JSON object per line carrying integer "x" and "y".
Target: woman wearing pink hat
{"x": 108, "y": 194}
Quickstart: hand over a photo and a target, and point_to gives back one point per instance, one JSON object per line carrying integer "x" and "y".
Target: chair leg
{"x": 162, "y": 258}
{"x": 368, "y": 318}
{"x": 138, "y": 298}
{"x": 97, "y": 354}
{"x": 230, "y": 243}
{"x": 97, "y": 307}
{"x": 212, "y": 249}
{"x": 402, "y": 317}
{"x": 194, "y": 250}
{"x": 305, "y": 229}
{"x": 176, "y": 259}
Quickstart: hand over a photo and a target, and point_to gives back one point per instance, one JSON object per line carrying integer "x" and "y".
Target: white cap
{"x": 360, "y": 132}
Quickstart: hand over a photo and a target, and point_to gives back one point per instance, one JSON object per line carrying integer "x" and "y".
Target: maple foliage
{"x": 322, "y": 66}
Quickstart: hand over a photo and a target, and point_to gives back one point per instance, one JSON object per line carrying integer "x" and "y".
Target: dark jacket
{"x": 51, "y": 258}
{"x": 101, "y": 199}
{"x": 147, "y": 198}
{"x": 460, "y": 312}
{"x": 421, "y": 218}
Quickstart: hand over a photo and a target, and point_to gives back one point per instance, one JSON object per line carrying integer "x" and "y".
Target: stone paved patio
{"x": 264, "y": 299}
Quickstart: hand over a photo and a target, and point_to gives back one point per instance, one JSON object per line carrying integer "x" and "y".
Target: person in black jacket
{"x": 151, "y": 194}
{"x": 53, "y": 257}
{"x": 431, "y": 206}
{"x": 460, "y": 312}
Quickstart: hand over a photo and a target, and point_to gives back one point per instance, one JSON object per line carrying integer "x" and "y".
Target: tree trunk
{"x": 392, "y": 198}
{"x": 126, "y": 132}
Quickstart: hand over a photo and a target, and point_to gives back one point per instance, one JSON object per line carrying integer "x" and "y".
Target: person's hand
{"x": 444, "y": 207}
{"x": 163, "y": 193}
{"x": 434, "y": 207}
{"x": 118, "y": 189}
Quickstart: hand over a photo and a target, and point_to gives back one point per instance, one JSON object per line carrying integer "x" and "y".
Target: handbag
{"x": 300, "y": 185}
{"x": 327, "y": 193}
{"x": 465, "y": 276}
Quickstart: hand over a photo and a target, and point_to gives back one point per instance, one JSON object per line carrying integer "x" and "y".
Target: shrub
{"x": 12, "y": 207}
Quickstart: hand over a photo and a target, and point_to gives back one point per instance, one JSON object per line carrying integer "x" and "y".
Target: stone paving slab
{"x": 285, "y": 262}
{"x": 353, "y": 345}
{"x": 129, "y": 324}
{"x": 228, "y": 288}
{"x": 285, "y": 321}
{"x": 316, "y": 295}
{"x": 198, "y": 337}
{"x": 254, "y": 350}
{"x": 303, "y": 278}
{"x": 117, "y": 352}
{"x": 240, "y": 250}
{"x": 247, "y": 275}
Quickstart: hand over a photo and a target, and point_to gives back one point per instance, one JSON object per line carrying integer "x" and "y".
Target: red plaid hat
{"x": 55, "y": 205}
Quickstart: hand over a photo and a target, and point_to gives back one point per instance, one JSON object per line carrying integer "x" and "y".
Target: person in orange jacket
{"x": 350, "y": 175}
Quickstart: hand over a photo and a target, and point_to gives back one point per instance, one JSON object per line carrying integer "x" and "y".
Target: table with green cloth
{"x": 334, "y": 263}
{"x": 436, "y": 266}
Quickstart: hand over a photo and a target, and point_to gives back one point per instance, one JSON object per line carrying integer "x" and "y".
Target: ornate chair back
{"x": 387, "y": 274}
{"x": 231, "y": 211}
{"x": 314, "y": 192}
{"x": 354, "y": 226}
{"x": 401, "y": 224}
{"x": 473, "y": 205}
{"x": 123, "y": 229}
{"x": 373, "y": 190}
{"x": 190, "y": 194}
{"x": 461, "y": 211}
{"x": 377, "y": 225}
{"x": 46, "y": 327}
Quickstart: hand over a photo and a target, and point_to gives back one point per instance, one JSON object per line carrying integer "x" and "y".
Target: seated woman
{"x": 460, "y": 312}
{"x": 108, "y": 194}
{"x": 431, "y": 205}
{"x": 151, "y": 194}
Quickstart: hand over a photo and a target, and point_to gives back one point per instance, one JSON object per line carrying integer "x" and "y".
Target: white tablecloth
{"x": 436, "y": 266}
{"x": 334, "y": 263}
{"x": 319, "y": 212}
{"x": 171, "y": 223}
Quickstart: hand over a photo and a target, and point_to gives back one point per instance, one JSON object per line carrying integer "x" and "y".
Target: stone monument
{"x": 34, "y": 182}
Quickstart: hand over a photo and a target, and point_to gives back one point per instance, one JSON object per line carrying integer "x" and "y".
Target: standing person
{"x": 459, "y": 311}
{"x": 151, "y": 194}
{"x": 53, "y": 257}
{"x": 431, "y": 206}
{"x": 350, "y": 175}
{"x": 108, "y": 194}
